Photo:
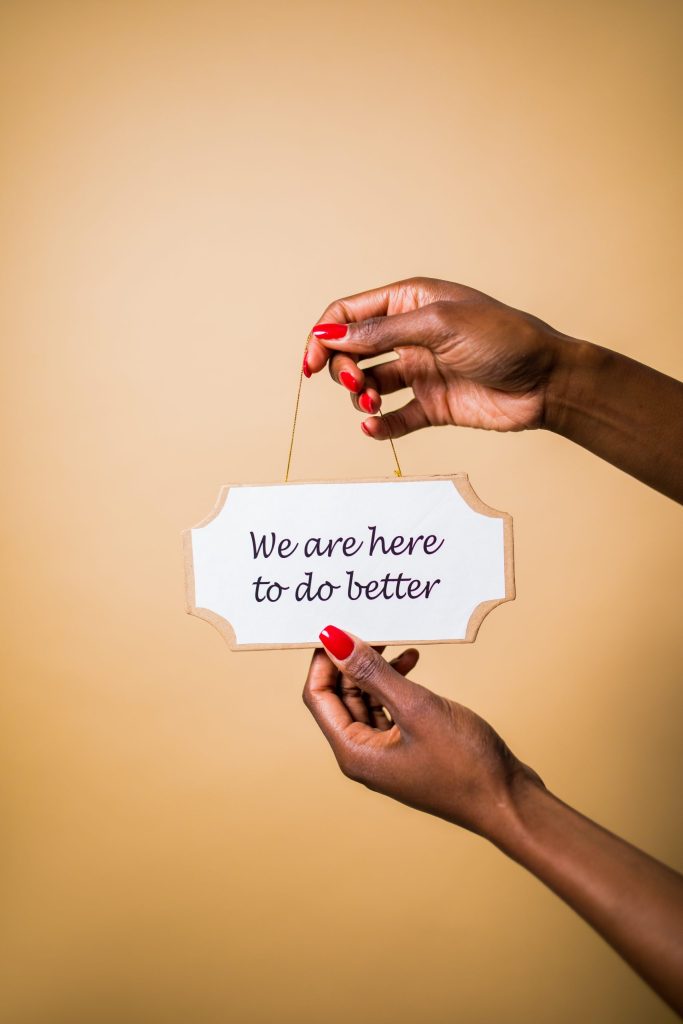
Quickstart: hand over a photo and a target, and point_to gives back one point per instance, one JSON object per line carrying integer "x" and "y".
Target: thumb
{"x": 368, "y": 669}
{"x": 428, "y": 326}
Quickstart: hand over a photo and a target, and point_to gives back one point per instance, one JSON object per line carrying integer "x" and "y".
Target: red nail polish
{"x": 306, "y": 368}
{"x": 365, "y": 429}
{"x": 329, "y": 332}
{"x": 337, "y": 642}
{"x": 348, "y": 381}
{"x": 365, "y": 402}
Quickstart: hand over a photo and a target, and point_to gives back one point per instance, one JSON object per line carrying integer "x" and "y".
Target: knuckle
{"x": 333, "y": 312}
{"x": 350, "y": 767}
{"x": 312, "y": 702}
{"x": 395, "y": 423}
{"x": 371, "y": 784}
{"x": 440, "y": 312}
{"x": 350, "y": 691}
{"x": 333, "y": 366}
{"x": 365, "y": 666}
{"x": 366, "y": 330}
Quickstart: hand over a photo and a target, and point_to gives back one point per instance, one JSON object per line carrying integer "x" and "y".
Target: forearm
{"x": 632, "y": 900}
{"x": 621, "y": 410}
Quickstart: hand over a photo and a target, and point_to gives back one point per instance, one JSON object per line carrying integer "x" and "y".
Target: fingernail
{"x": 337, "y": 642}
{"x": 329, "y": 332}
{"x": 365, "y": 402}
{"x": 365, "y": 429}
{"x": 348, "y": 381}
{"x": 306, "y": 368}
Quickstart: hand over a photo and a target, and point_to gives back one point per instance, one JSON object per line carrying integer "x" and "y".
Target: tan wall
{"x": 185, "y": 186}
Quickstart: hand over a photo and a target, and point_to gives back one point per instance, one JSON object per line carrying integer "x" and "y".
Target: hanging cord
{"x": 397, "y": 471}
{"x": 296, "y": 412}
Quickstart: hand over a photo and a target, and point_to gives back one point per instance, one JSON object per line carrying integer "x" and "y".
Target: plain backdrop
{"x": 185, "y": 185}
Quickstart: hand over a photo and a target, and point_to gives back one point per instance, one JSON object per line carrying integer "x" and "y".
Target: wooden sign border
{"x": 463, "y": 486}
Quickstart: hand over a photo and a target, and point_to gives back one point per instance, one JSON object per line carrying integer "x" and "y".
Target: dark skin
{"x": 438, "y": 756}
{"x": 472, "y": 361}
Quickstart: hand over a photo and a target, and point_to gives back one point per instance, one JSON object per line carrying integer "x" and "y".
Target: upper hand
{"x": 432, "y": 753}
{"x": 469, "y": 359}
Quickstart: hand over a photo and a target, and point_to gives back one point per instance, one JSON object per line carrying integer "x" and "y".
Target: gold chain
{"x": 296, "y": 411}
{"x": 397, "y": 471}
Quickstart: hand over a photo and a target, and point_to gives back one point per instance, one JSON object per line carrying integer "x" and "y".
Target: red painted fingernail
{"x": 337, "y": 642}
{"x": 348, "y": 381}
{"x": 365, "y": 429}
{"x": 365, "y": 402}
{"x": 329, "y": 332}
{"x": 306, "y": 367}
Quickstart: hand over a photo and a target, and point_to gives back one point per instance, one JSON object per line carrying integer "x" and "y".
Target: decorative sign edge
{"x": 462, "y": 484}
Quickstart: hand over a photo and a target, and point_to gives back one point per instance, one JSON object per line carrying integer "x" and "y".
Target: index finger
{"x": 362, "y": 306}
{"x": 322, "y": 701}
{"x": 330, "y": 712}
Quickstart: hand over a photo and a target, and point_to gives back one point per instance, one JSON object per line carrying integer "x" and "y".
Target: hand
{"x": 439, "y": 757}
{"x": 432, "y": 754}
{"x": 470, "y": 360}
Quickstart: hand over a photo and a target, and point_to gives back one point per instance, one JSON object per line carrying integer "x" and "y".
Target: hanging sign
{"x": 409, "y": 560}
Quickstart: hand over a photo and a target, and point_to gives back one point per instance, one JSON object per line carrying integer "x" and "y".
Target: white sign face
{"x": 393, "y": 561}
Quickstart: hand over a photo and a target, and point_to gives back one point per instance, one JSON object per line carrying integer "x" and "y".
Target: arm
{"x": 626, "y": 413}
{"x": 628, "y": 897}
{"x": 440, "y": 757}
{"x": 473, "y": 361}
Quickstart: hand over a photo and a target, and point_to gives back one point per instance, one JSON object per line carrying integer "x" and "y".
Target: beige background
{"x": 185, "y": 186}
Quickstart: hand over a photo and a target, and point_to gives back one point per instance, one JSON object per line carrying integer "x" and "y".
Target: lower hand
{"x": 440, "y": 757}
{"x": 429, "y": 752}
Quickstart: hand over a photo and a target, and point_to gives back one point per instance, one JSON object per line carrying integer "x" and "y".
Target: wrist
{"x": 573, "y": 383}
{"x": 515, "y": 826}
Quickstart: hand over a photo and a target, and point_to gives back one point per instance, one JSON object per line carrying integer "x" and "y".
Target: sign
{"x": 409, "y": 560}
